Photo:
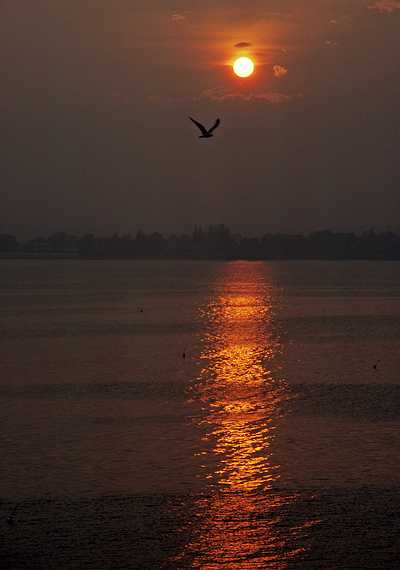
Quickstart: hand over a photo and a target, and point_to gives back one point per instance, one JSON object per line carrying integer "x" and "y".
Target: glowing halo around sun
{"x": 243, "y": 66}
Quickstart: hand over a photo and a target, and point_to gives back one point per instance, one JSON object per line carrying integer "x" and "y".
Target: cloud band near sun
{"x": 385, "y": 6}
{"x": 178, "y": 17}
{"x": 272, "y": 97}
{"x": 220, "y": 95}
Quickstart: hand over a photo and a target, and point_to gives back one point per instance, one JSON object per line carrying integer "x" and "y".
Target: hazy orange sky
{"x": 95, "y": 96}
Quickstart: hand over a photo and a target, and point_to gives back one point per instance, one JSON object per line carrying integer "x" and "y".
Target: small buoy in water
{"x": 10, "y": 518}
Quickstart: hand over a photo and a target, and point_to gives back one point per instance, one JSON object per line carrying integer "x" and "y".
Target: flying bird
{"x": 205, "y": 133}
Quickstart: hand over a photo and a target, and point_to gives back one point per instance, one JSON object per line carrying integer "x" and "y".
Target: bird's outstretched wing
{"x": 200, "y": 126}
{"x": 215, "y": 125}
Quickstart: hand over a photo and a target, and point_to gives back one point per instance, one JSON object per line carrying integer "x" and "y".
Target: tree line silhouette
{"x": 215, "y": 242}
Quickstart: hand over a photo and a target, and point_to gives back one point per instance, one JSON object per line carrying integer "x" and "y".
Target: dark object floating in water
{"x": 375, "y": 366}
{"x": 205, "y": 133}
{"x": 10, "y": 518}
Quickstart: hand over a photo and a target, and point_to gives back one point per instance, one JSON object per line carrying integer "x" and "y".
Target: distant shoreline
{"x": 213, "y": 243}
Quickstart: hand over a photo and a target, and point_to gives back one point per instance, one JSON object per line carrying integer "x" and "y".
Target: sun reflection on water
{"x": 241, "y": 398}
{"x": 236, "y": 385}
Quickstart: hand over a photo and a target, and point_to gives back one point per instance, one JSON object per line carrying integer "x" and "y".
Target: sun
{"x": 243, "y": 67}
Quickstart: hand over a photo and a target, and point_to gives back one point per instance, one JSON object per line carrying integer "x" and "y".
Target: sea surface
{"x": 199, "y": 415}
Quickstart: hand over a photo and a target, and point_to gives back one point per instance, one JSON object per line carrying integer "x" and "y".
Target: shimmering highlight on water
{"x": 241, "y": 405}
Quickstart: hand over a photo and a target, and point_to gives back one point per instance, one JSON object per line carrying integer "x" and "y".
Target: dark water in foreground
{"x": 273, "y": 443}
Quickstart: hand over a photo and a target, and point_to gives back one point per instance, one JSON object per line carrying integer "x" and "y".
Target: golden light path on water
{"x": 241, "y": 404}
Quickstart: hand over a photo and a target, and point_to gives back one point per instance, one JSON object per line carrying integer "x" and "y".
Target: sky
{"x": 95, "y": 97}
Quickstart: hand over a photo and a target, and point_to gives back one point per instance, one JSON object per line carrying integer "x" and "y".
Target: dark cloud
{"x": 242, "y": 45}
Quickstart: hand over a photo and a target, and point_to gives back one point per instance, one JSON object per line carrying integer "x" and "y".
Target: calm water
{"x": 273, "y": 443}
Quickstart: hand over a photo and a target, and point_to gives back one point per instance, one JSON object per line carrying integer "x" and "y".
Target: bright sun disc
{"x": 243, "y": 67}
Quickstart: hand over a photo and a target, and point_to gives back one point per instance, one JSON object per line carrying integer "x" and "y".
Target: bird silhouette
{"x": 205, "y": 133}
